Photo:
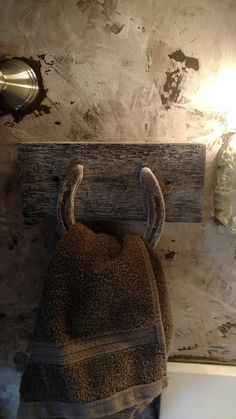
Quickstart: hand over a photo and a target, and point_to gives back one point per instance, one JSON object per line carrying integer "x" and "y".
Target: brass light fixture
{"x": 19, "y": 85}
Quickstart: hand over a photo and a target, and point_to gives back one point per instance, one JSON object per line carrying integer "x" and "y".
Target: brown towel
{"x": 102, "y": 333}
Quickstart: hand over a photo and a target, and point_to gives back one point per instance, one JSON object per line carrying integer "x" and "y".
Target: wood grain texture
{"x": 110, "y": 188}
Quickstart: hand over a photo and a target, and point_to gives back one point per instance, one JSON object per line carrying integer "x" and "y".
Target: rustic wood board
{"x": 110, "y": 188}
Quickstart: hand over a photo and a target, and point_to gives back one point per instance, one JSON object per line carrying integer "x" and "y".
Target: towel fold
{"x": 102, "y": 332}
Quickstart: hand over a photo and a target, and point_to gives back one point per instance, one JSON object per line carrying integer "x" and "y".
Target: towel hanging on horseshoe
{"x": 104, "y": 322}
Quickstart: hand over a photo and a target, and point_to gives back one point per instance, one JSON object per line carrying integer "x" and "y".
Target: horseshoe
{"x": 66, "y": 198}
{"x": 150, "y": 186}
{"x": 155, "y": 206}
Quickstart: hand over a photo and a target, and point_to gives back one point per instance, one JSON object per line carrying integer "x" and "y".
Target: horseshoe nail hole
{"x": 56, "y": 179}
{"x": 169, "y": 182}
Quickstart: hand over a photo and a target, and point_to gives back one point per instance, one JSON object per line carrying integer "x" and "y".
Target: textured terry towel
{"x": 102, "y": 333}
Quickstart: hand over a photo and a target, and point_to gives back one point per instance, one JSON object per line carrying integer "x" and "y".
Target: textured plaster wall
{"x": 124, "y": 71}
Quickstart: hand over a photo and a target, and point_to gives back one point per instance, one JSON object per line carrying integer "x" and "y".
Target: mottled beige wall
{"x": 105, "y": 64}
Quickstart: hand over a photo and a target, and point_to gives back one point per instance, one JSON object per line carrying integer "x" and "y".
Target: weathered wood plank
{"x": 110, "y": 188}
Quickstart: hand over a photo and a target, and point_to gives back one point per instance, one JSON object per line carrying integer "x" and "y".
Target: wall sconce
{"x": 225, "y": 189}
{"x": 19, "y": 85}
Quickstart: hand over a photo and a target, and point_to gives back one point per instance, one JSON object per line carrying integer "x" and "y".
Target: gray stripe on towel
{"x": 76, "y": 352}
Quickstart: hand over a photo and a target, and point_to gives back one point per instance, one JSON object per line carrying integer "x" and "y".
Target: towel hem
{"x": 78, "y": 410}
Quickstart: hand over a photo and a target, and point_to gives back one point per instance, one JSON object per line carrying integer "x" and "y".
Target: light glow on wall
{"x": 218, "y": 94}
